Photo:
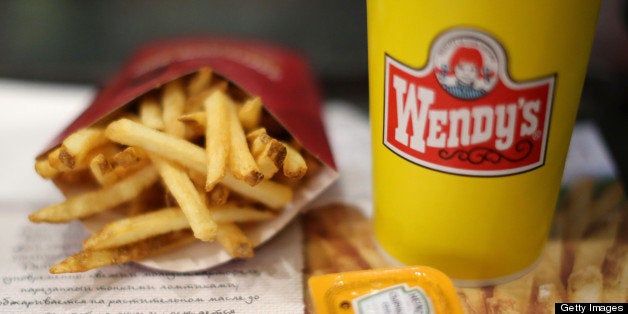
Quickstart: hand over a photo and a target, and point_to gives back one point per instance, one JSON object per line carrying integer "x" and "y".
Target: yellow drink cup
{"x": 472, "y": 105}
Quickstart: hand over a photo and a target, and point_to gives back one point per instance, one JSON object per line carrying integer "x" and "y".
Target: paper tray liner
{"x": 279, "y": 76}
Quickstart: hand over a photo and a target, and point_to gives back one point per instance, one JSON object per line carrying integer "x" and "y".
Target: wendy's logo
{"x": 466, "y": 68}
{"x": 462, "y": 113}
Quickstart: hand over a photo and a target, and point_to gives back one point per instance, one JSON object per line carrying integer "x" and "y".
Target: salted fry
{"x": 195, "y": 124}
{"x": 86, "y": 260}
{"x": 55, "y": 160}
{"x": 77, "y": 146}
{"x": 250, "y": 114}
{"x": 269, "y": 193}
{"x": 140, "y": 227}
{"x": 136, "y": 228}
{"x": 218, "y": 195}
{"x": 217, "y": 137}
{"x": 89, "y": 203}
{"x": 183, "y": 190}
{"x": 240, "y": 160}
{"x": 173, "y": 103}
{"x": 45, "y": 170}
{"x": 294, "y": 165}
{"x": 195, "y": 102}
{"x": 234, "y": 241}
{"x": 131, "y": 133}
{"x": 268, "y": 152}
{"x": 200, "y": 81}
{"x": 151, "y": 113}
{"x": 130, "y": 157}
{"x": 102, "y": 170}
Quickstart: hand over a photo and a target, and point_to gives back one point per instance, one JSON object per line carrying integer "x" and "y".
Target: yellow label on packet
{"x": 472, "y": 107}
{"x": 415, "y": 289}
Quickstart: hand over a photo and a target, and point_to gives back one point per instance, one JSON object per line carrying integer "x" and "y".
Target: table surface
{"x": 586, "y": 258}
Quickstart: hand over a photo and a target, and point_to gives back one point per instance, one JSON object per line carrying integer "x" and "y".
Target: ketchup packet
{"x": 409, "y": 289}
{"x": 282, "y": 80}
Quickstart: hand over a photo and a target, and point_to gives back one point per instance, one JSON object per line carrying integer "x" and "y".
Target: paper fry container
{"x": 288, "y": 91}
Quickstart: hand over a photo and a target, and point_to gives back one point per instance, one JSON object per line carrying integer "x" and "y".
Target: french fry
{"x": 195, "y": 102}
{"x": 268, "y": 152}
{"x": 130, "y": 157}
{"x": 235, "y": 242}
{"x": 131, "y": 133}
{"x": 79, "y": 144}
{"x": 136, "y": 228}
{"x": 102, "y": 170}
{"x": 92, "y": 202}
{"x": 217, "y": 137}
{"x": 140, "y": 227}
{"x": 183, "y": 190}
{"x": 294, "y": 166}
{"x": 269, "y": 193}
{"x": 250, "y": 113}
{"x": 240, "y": 160}
{"x": 218, "y": 195}
{"x": 151, "y": 113}
{"x": 200, "y": 81}
{"x": 44, "y": 169}
{"x": 173, "y": 104}
{"x": 86, "y": 260}
{"x": 55, "y": 161}
{"x": 195, "y": 124}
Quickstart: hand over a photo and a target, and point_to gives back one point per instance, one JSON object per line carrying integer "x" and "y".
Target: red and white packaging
{"x": 279, "y": 76}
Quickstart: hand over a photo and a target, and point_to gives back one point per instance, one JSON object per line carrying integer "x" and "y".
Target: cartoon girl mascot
{"x": 465, "y": 77}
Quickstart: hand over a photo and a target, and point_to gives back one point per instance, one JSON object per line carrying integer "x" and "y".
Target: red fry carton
{"x": 280, "y": 77}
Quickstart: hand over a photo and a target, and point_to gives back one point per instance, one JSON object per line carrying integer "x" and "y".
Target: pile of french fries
{"x": 193, "y": 159}
{"x": 585, "y": 261}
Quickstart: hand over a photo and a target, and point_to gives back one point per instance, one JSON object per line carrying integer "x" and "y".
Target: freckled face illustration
{"x": 466, "y": 64}
{"x": 466, "y": 72}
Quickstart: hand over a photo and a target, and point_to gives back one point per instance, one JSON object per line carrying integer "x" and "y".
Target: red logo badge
{"x": 462, "y": 113}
